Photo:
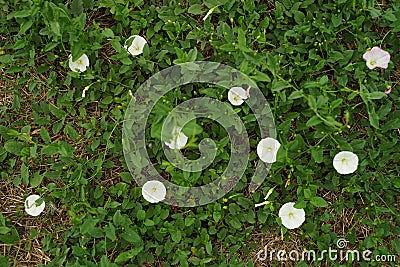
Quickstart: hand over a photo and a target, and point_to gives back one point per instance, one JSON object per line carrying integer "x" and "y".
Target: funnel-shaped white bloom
{"x": 179, "y": 139}
{"x": 154, "y": 191}
{"x": 291, "y": 217}
{"x": 376, "y": 57}
{"x": 80, "y": 64}
{"x": 266, "y": 197}
{"x": 237, "y": 95}
{"x": 30, "y": 205}
{"x": 345, "y": 162}
{"x": 136, "y": 47}
{"x": 267, "y": 149}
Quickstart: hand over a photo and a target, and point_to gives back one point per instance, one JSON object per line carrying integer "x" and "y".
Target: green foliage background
{"x": 306, "y": 56}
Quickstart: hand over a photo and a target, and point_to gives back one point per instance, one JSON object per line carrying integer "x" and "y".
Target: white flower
{"x": 30, "y": 205}
{"x": 265, "y": 198}
{"x": 376, "y": 57}
{"x": 154, "y": 191}
{"x": 388, "y": 90}
{"x": 345, "y": 162}
{"x": 136, "y": 47}
{"x": 209, "y": 13}
{"x": 291, "y": 217}
{"x": 84, "y": 91}
{"x": 267, "y": 149}
{"x": 237, "y": 95}
{"x": 80, "y": 64}
{"x": 179, "y": 139}
{"x": 248, "y": 92}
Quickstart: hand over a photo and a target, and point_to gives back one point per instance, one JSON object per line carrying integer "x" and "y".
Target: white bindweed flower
{"x": 388, "y": 90}
{"x": 179, "y": 139}
{"x": 31, "y": 206}
{"x": 154, "y": 191}
{"x": 248, "y": 92}
{"x": 345, "y": 162}
{"x": 377, "y": 57}
{"x": 265, "y": 198}
{"x": 136, "y": 47}
{"x": 84, "y": 91}
{"x": 291, "y": 217}
{"x": 267, "y": 149}
{"x": 237, "y": 95}
{"x": 209, "y": 13}
{"x": 80, "y": 64}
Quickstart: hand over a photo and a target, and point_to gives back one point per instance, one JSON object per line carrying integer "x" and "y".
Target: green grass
{"x": 306, "y": 58}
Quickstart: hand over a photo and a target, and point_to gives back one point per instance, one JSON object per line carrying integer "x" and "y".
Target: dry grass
{"x": 342, "y": 224}
{"x": 28, "y": 250}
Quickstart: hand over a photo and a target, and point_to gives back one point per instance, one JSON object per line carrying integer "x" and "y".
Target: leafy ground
{"x": 306, "y": 57}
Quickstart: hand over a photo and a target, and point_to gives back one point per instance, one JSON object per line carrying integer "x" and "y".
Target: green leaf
{"x": 307, "y": 193}
{"x": 51, "y": 149}
{"x": 261, "y": 77}
{"x": 192, "y": 128}
{"x": 209, "y": 248}
{"x": 59, "y": 113}
{"x": 336, "y": 20}
{"x": 176, "y": 236}
{"x": 296, "y": 95}
{"x": 25, "y": 26}
{"x": 373, "y": 117}
{"x": 241, "y": 37}
{"x": 317, "y": 154}
{"x": 36, "y": 180}
{"x": 375, "y": 95}
{"x": 318, "y": 202}
{"x": 141, "y": 215}
{"x": 4, "y": 261}
{"x": 88, "y": 224}
{"x": 4, "y": 230}
{"x": 14, "y": 147}
{"x": 314, "y": 120}
{"x": 128, "y": 254}
{"x": 10, "y": 238}
{"x": 110, "y": 232}
{"x": 45, "y": 135}
{"x": 131, "y": 236}
{"x": 22, "y": 13}
{"x": 76, "y": 7}
{"x": 279, "y": 85}
{"x": 71, "y": 132}
{"x": 217, "y": 216}
{"x": 55, "y": 28}
{"x": 126, "y": 177}
{"x": 196, "y": 9}
{"x": 24, "y": 173}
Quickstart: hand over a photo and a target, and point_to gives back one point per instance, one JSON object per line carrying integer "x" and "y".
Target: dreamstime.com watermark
{"x": 340, "y": 254}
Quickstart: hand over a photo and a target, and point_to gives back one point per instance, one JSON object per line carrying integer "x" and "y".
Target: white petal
{"x": 294, "y": 221}
{"x": 179, "y": 139}
{"x": 269, "y": 193}
{"x": 30, "y": 205}
{"x": 267, "y": 149}
{"x": 154, "y": 191}
{"x": 383, "y": 62}
{"x": 261, "y": 204}
{"x": 345, "y": 162}
{"x": 380, "y": 57}
{"x": 136, "y": 48}
{"x": 80, "y": 64}
{"x": 84, "y": 91}
{"x": 237, "y": 95}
